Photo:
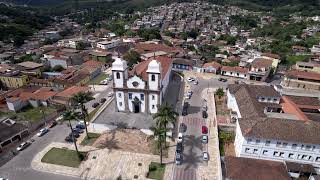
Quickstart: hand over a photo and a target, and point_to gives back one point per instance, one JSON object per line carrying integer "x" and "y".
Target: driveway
{"x": 19, "y": 167}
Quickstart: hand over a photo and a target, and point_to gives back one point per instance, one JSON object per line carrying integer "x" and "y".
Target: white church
{"x": 141, "y": 89}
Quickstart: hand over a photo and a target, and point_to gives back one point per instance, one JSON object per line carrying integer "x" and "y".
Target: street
{"x": 19, "y": 167}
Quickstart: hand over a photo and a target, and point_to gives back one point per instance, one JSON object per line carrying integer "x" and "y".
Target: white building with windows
{"x": 105, "y": 45}
{"x": 142, "y": 89}
{"x": 265, "y": 131}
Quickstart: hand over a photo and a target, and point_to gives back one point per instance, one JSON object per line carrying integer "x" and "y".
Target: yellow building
{"x": 308, "y": 66}
{"x": 13, "y": 81}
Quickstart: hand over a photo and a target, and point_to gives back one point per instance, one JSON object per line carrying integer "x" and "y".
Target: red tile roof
{"x": 275, "y": 56}
{"x": 212, "y": 64}
{"x": 261, "y": 63}
{"x": 303, "y": 74}
{"x": 235, "y": 69}
{"x": 93, "y": 63}
{"x": 69, "y": 92}
{"x": 141, "y": 68}
{"x": 145, "y": 48}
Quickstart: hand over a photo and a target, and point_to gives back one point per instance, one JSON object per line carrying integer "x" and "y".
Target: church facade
{"x": 142, "y": 89}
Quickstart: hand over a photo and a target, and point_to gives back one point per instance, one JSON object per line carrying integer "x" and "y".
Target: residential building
{"x": 240, "y": 168}
{"x": 10, "y": 132}
{"x": 308, "y": 66}
{"x": 101, "y": 56}
{"x": 65, "y": 96}
{"x": 236, "y": 71}
{"x": 260, "y": 69}
{"x": 105, "y": 45}
{"x": 211, "y": 67}
{"x": 143, "y": 88}
{"x": 270, "y": 128}
{"x": 12, "y": 78}
{"x": 30, "y": 68}
{"x": 274, "y": 57}
{"x": 302, "y": 80}
{"x": 181, "y": 64}
{"x": 315, "y": 49}
{"x": 143, "y": 48}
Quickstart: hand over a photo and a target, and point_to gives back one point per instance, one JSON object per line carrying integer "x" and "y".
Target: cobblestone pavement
{"x": 101, "y": 163}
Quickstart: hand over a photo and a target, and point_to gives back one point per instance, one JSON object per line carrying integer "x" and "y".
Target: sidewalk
{"x": 100, "y": 164}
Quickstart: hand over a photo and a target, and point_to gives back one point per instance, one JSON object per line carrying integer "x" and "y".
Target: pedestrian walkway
{"x": 100, "y": 164}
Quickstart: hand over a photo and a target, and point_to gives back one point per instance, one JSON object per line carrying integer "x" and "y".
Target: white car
{"x": 23, "y": 145}
{"x": 195, "y": 82}
{"x": 204, "y": 139}
{"x": 190, "y": 79}
{"x": 42, "y": 132}
{"x": 59, "y": 118}
{"x": 110, "y": 94}
{"x": 104, "y": 82}
{"x": 180, "y": 137}
{"x": 205, "y": 156}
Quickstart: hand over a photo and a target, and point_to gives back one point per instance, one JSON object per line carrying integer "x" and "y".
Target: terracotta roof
{"x": 212, "y": 64}
{"x": 240, "y": 168}
{"x": 183, "y": 61}
{"x": 143, "y": 48}
{"x": 275, "y": 56}
{"x": 290, "y": 107}
{"x": 261, "y": 63}
{"x": 69, "y": 92}
{"x": 141, "y": 68}
{"x": 303, "y": 74}
{"x": 235, "y": 69}
{"x": 282, "y": 129}
{"x": 93, "y": 63}
{"x": 29, "y": 64}
{"x": 302, "y": 101}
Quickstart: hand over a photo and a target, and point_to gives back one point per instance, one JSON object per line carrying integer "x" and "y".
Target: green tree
{"x": 220, "y": 93}
{"x": 132, "y": 57}
{"x": 159, "y": 135}
{"x": 165, "y": 116}
{"x": 69, "y": 115}
{"x": 78, "y": 102}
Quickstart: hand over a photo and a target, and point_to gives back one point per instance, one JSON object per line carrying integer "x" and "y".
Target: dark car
{"x": 182, "y": 128}
{"x": 179, "y": 147}
{"x": 69, "y": 139}
{"x": 94, "y": 105}
{"x": 204, "y": 114}
{"x": 223, "y": 79}
{"x": 80, "y": 126}
{"x": 185, "y": 109}
{"x": 78, "y": 130}
{"x": 76, "y": 135}
{"x": 178, "y": 158}
{"x": 103, "y": 100}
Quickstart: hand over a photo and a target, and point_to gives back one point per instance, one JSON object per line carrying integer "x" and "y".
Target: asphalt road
{"x": 19, "y": 168}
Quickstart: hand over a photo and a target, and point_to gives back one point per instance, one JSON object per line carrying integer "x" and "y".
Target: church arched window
{"x": 118, "y": 75}
{"x": 153, "y": 77}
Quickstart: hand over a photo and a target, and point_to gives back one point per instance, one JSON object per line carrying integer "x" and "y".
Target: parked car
{"x": 23, "y": 145}
{"x": 42, "y": 132}
{"x": 204, "y": 129}
{"x": 178, "y": 158}
{"x": 195, "y": 82}
{"x": 223, "y": 79}
{"x": 70, "y": 139}
{"x": 80, "y": 126}
{"x": 102, "y": 100}
{"x": 205, "y": 107}
{"x": 204, "y": 114}
{"x": 59, "y": 118}
{"x": 204, "y": 139}
{"x": 182, "y": 128}
{"x": 185, "y": 108}
{"x": 110, "y": 94}
{"x": 190, "y": 79}
{"x": 104, "y": 82}
{"x": 205, "y": 156}
{"x": 78, "y": 130}
{"x": 96, "y": 104}
{"x": 76, "y": 135}
{"x": 180, "y": 137}
{"x": 52, "y": 124}
{"x": 179, "y": 147}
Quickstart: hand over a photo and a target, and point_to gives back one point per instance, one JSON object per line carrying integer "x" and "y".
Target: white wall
{"x": 142, "y": 105}
{"x": 166, "y": 80}
{"x": 54, "y": 62}
{"x": 142, "y": 84}
{"x": 120, "y": 100}
{"x": 153, "y": 85}
{"x": 235, "y": 74}
{"x": 118, "y": 83}
{"x": 232, "y": 103}
{"x": 153, "y": 102}
{"x": 239, "y": 139}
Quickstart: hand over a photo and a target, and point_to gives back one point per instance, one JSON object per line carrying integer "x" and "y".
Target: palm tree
{"x": 78, "y": 102}
{"x": 159, "y": 135}
{"x": 164, "y": 116}
{"x": 219, "y": 93}
{"x": 69, "y": 115}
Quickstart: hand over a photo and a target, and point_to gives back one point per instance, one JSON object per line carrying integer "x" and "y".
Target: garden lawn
{"x": 291, "y": 60}
{"x": 98, "y": 79}
{"x": 91, "y": 140}
{"x": 31, "y": 114}
{"x": 156, "y": 171}
{"x": 64, "y": 157}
